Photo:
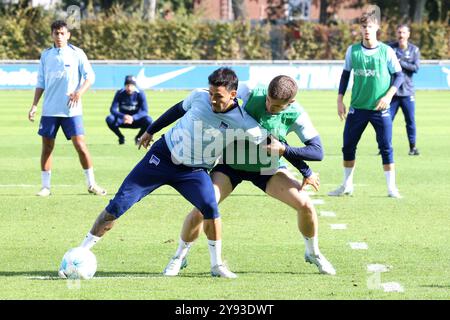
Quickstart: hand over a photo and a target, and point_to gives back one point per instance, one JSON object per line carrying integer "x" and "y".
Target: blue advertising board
{"x": 188, "y": 75}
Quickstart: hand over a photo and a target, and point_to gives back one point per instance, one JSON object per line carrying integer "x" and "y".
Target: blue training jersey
{"x": 61, "y": 72}
{"x": 199, "y": 137}
{"x": 409, "y": 59}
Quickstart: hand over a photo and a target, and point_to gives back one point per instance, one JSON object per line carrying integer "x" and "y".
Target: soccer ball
{"x": 78, "y": 263}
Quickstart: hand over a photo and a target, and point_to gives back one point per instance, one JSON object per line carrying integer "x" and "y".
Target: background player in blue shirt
{"x": 65, "y": 74}
{"x": 129, "y": 109}
{"x": 409, "y": 58}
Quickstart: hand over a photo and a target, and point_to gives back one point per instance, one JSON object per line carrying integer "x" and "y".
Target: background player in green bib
{"x": 375, "y": 66}
{"x": 275, "y": 110}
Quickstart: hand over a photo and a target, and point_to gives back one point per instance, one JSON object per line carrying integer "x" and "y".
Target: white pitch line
{"x": 34, "y": 185}
{"x": 355, "y": 184}
{"x": 100, "y": 277}
{"x": 392, "y": 287}
{"x": 338, "y": 226}
{"x": 125, "y": 277}
{"x": 318, "y": 201}
{"x": 378, "y": 268}
{"x": 327, "y": 214}
{"x": 358, "y": 245}
{"x": 44, "y": 278}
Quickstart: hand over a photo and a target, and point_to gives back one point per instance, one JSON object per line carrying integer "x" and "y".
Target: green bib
{"x": 252, "y": 158}
{"x": 371, "y": 77}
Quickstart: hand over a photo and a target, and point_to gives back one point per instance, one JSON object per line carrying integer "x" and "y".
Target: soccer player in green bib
{"x": 376, "y": 77}
{"x": 275, "y": 109}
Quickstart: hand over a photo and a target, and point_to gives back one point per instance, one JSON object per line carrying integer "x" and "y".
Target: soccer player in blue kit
{"x": 182, "y": 156}
{"x": 65, "y": 74}
{"x": 129, "y": 109}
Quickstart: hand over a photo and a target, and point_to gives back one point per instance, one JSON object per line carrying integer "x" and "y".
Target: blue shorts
{"x": 71, "y": 126}
{"x": 237, "y": 176}
{"x": 356, "y": 123}
{"x": 157, "y": 169}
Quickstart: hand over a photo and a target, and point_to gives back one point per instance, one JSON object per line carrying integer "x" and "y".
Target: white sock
{"x": 45, "y": 178}
{"x": 183, "y": 248}
{"x": 89, "y": 173}
{"x": 215, "y": 252}
{"x": 390, "y": 180}
{"x": 348, "y": 177}
{"x": 312, "y": 245}
{"x": 89, "y": 241}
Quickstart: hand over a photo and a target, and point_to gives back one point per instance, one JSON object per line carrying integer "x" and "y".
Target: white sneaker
{"x": 222, "y": 271}
{"x": 341, "y": 191}
{"x": 97, "y": 190}
{"x": 174, "y": 266}
{"x": 321, "y": 262}
{"x": 394, "y": 194}
{"x": 44, "y": 192}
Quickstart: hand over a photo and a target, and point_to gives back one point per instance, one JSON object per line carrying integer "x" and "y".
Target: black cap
{"x": 130, "y": 80}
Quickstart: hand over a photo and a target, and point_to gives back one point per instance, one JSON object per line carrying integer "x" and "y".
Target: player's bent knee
{"x": 148, "y": 120}
{"x": 304, "y": 202}
{"x": 196, "y": 214}
{"x": 109, "y": 120}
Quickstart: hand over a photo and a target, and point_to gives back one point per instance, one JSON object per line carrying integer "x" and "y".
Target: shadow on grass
{"x": 32, "y": 195}
{"x": 436, "y": 286}
{"x": 53, "y": 275}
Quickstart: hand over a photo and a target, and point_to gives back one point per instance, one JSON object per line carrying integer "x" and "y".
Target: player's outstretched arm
{"x": 312, "y": 151}
{"x": 313, "y": 180}
{"x": 168, "y": 117}
{"x": 145, "y": 140}
{"x": 275, "y": 147}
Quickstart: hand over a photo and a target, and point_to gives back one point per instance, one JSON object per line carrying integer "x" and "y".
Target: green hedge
{"x": 120, "y": 37}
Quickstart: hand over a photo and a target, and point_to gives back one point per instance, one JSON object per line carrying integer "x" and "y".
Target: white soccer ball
{"x": 78, "y": 263}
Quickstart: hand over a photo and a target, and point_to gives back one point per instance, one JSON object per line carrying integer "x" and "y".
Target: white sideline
{"x": 338, "y": 226}
{"x": 327, "y": 214}
{"x": 358, "y": 245}
{"x": 318, "y": 201}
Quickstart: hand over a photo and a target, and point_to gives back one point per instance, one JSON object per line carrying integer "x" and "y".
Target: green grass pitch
{"x": 260, "y": 238}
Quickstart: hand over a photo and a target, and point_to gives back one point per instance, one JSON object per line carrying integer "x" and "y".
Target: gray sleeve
{"x": 392, "y": 61}
{"x": 187, "y": 103}
{"x": 304, "y": 128}
{"x": 244, "y": 91}
{"x": 348, "y": 59}
{"x": 41, "y": 76}
{"x": 85, "y": 67}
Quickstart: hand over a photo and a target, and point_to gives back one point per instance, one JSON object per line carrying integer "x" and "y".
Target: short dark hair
{"x": 282, "y": 88}
{"x": 403, "y": 25}
{"x": 224, "y": 77}
{"x": 58, "y": 24}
